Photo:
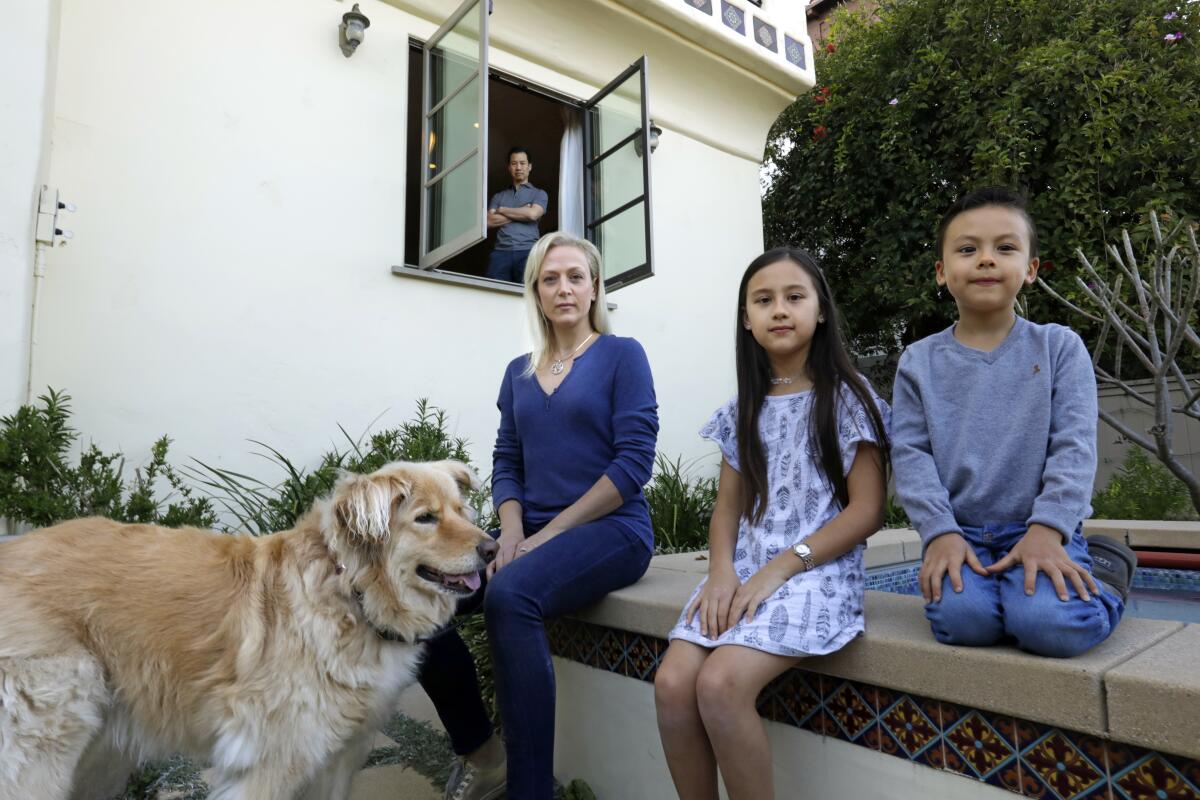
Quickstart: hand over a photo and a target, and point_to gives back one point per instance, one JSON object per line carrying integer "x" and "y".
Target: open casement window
{"x": 454, "y": 135}
{"x": 616, "y": 177}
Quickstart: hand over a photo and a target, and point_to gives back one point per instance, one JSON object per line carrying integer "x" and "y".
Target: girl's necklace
{"x": 784, "y": 381}
{"x": 557, "y": 366}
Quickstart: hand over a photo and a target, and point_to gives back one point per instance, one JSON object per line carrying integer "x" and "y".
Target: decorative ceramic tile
{"x": 1139, "y": 774}
{"x": 908, "y": 731}
{"x": 610, "y": 653}
{"x": 794, "y": 698}
{"x": 733, "y": 17}
{"x": 586, "y": 645}
{"x": 765, "y": 35}
{"x": 1059, "y": 764}
{"x": 851, "y": 706}
{"x": 700, "y": 5}
{"x": 560, "y": 633}
{"x": 982, "y": 746}
{"x": 794, "y": 51}
{"x": 643, "y": 657}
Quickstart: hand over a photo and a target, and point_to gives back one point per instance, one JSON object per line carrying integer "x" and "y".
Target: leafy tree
{"x": 1091, "y": 107}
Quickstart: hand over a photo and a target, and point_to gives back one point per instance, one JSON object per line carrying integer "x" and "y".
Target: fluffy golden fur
{"x": 272, "y": 658}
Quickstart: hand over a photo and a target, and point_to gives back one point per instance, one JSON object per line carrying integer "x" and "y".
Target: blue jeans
{"x": 507, "y": 265}
{"x": 988, "y": 609}
{"x": 571, "y": 571}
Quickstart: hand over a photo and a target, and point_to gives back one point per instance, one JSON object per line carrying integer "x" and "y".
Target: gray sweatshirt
{"x": 1005, "y": 436}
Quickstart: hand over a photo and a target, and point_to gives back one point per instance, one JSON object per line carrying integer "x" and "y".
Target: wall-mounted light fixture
{"x": 655, "y": 132}
{"x": 352, "y": 30}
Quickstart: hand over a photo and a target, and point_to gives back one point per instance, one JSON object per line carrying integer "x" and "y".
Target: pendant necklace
{"x": 557, "y": 366}
{"x": 784, "y": 381}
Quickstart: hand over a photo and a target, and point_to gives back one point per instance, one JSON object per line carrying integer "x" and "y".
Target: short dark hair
{"x": 988, "y": 196}
{"x": 512, "y": 151}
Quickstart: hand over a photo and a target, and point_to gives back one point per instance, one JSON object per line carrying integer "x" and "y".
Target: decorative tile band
{"x": 735, "y": 16}
{"x": 1023, "y": 757}
{"x": 902, "y": 578}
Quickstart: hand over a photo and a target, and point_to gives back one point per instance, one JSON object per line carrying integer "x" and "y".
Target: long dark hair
{"x": 829, "y": 368}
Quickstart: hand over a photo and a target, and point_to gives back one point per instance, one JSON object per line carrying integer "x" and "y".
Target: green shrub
{"x": 1143, "y": 489}
{"x": 893, "y": 514}
{"x": 262, "y": 507}
{"x": 680, "y": 506}
{"x": 39, "y": 485}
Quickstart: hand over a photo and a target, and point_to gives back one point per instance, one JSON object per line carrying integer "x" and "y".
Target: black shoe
{"x": 1113, "y": 563}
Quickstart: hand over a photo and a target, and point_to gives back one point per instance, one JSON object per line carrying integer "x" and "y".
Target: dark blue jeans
{"x": 571, "y": 571}
{"x": 989, "y": 609}
{"x": 507, "y": 265}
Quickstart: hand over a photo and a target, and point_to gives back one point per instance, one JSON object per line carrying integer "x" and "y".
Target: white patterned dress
{"x": 814, "y": 612}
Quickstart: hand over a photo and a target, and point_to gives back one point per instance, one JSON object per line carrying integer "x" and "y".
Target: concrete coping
{"x": 1139, "y": 687}
{"x": 1167, "y": 534}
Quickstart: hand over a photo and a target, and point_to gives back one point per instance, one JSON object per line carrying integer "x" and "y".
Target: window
{"x": 616, "y": 176}
{"x": 595, "y": 151}
{"x": 454, "y": 134}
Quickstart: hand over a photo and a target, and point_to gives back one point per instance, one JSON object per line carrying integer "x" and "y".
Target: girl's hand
{"x": 510, "y": 539}
{"x": 946, "y": 555}
{"x": 753, "y": 592}
{"x": 1041, "y": 549}
{"x": 712, "y": 603}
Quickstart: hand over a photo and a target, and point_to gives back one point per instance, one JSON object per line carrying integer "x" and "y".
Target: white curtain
{"x": 570, "y": 173}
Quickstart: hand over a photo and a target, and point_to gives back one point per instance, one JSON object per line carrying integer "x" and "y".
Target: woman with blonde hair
{"x": 578, "y": 427}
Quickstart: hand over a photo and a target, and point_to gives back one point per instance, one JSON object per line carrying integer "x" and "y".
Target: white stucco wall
{"x": 26, "y": 40}
{"x": 241, "y": 187}
{"x": 606, "y": 733}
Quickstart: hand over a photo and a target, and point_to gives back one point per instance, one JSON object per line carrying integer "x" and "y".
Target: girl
{"x": 804, "y": 459}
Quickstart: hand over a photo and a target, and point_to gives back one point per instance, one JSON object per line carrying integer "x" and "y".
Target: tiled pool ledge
{"x": 1120, "y": 721}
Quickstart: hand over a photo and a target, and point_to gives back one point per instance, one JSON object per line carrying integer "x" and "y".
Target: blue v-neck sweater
{"x": 601, "y": 420}
{"x": 983, "y": 438}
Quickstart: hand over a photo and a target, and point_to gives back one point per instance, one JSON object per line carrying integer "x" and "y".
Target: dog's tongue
{"x": 471, "y": 579}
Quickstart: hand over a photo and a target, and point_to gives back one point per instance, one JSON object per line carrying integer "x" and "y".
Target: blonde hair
{"x": 539, "y": 327}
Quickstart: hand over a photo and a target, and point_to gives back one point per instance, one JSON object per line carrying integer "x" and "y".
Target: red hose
{"x": 1154, "y": 558}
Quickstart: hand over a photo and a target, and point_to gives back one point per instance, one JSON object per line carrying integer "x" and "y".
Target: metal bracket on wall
{"x": 49, "y": 206}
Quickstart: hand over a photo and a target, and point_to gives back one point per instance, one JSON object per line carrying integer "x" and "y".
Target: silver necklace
{"x": 557, "y": 366}
{"x": 783, "y": 381}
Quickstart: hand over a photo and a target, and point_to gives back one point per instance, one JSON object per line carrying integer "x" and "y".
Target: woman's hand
{"x": 712, "y": 603}
{"x": 944, "y": 556}
{"x": 753, "y": 592}
{"x": 510, "y": 540}
{"x": 535, "y": 541}
{"x": 1041, "y": 548}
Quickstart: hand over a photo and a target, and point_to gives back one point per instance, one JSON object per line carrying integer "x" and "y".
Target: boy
{"x": 994, "y": 448}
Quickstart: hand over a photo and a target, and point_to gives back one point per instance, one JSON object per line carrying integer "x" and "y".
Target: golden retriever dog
{"x": 274, "y": 659}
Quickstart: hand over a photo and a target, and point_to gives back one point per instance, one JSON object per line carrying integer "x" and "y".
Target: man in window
{"x": 514, "y": 213}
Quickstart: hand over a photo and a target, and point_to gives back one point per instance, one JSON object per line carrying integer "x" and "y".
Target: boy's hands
{"x": 1041, "y": 549}
{"x": 712, "y": 604}
{"x": 946, "y": 555}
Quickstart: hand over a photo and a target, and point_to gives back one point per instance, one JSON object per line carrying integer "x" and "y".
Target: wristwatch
{"x": 804, "y": 553}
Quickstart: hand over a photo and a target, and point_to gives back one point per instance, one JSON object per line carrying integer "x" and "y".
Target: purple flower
{"x": 894, "y": 101}
{"x": 1173, "y": 37}
{"x": 1172, "y": 15}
